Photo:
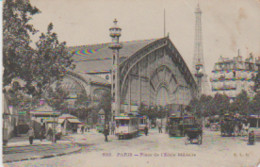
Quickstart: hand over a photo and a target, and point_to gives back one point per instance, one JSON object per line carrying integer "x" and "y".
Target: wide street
{"x": 154, "y": 150}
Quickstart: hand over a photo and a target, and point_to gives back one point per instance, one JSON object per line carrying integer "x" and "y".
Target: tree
{"x": 201, "y": 107}
{"x": 205, "y": 103}
{"x": 255, "y": 104}
{"x": 51, "y": 61}
{"x": 39, "y": 67}
{"x": 57, "y": 98}
{"x": 241, "y": 103}
{"x": 220, "y": 104}
{"x": 17, "y": 53}
{"x": 105, "y": 104}
{"x": 142, "y": 109}
{"x": 194, "y": 106}
{"x": 82, "y": 105}
{"x": 208, "y": 105}
{"x": 161, "y": 112}
{"x": 19, "y": 100}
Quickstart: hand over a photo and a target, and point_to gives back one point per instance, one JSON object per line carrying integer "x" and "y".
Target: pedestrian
{"x": 113, "y": 129}
{"x": 106, "y": 132}
{"x": 41, "y": 135}
{"x": 86, "y": 128}
{"x": 31, "y": 135}
{"x": 42, "y": 132}
{"x": 160, "y": 128}
{"x": 82, "y": 129}
{"x": 146, "y": 130}
{"x": 50, "y": 134}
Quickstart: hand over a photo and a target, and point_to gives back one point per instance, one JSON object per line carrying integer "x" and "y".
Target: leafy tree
{"x": 206, "y": 102}
{"x": 255, "y": 104}
{"x": 56, "y": 98}
{"x": 19, "y": 100}
{"x": 208, "y": 105}
{"x": 143, "y": 109}
{"x": 194, "y": 106}
{"x": 82, "y": 105}
{"x": 38, "y": 67}
{"x": 51, "y": 61}
{"x": 17, "y": 53}
{"x": 105, "y": 104}
{"x": 241, "y": 103}
{"x": 161, "y": 112}
{"x": 220, "y": 104}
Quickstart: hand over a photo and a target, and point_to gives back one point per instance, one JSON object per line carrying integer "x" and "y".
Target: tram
{"x": 42, "y": 120}
{"x": 174, "y": 125}
{"x": 178, "y": 125}
{"x": 227, "y": 125}
{"x": 127, "y": 126}
{"x": 143, "y": 121}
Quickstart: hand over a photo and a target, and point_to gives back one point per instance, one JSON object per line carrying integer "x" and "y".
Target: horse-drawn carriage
{"x": 194, "y": 135}
{"x": 194, "y": 132}
{"x": 232, "y": 125}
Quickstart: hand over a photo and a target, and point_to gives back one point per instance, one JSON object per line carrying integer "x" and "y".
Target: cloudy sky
{"x": 227, "y": 25}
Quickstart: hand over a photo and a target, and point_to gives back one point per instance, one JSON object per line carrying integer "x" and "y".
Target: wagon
{"x": 194, "y": 135}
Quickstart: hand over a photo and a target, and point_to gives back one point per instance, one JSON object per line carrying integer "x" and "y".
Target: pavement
{"x": 154, "y": 150}
{"x": 19, "y": 149}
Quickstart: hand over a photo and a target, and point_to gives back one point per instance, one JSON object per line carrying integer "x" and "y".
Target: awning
{"x": 74, "y": 121}
{"x": 60, "y": 121}
{"x": 67, "y": 116}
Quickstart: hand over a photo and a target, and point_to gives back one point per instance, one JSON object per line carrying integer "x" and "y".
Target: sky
{"x": 227, "y": 25}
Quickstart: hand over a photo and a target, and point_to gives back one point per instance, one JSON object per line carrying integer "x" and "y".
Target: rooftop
{"x": 98, "y": 57}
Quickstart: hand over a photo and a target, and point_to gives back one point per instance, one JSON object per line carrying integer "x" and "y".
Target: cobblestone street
{"x": 144, "y": 150}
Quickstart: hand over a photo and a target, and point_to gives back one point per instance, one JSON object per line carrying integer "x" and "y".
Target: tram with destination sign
{"x": 143, "y": 121}
{"x": 127, "y": 126}
{"x": 179, "y": 124}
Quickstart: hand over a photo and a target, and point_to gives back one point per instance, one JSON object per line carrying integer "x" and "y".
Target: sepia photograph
{"x": 130, "y": 83}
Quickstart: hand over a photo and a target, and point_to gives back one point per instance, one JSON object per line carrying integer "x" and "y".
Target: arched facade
{"x": 76, "y": 83}
{"x": 145, "y": 67}
{"x": 156, "y": 65}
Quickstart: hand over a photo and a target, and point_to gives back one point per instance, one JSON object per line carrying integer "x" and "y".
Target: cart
{"x": 194, "y": 135}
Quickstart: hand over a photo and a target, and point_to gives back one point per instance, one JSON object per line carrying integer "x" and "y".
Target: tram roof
{"x": 125, "y": 117}
{"x": 97, "y": 58}
{"x": 122, "y": 117}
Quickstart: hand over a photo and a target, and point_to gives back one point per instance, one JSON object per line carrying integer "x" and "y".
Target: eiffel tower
{"x": 198, "y": 53}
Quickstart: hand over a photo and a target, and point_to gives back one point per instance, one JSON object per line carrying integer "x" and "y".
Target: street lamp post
{"x": 257, "y": 87}
{"x": 54, "y": 130}
{"x": 115, "y": 46}
{"x": 199, "y": 75}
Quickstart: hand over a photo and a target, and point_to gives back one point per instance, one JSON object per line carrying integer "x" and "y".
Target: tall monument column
{"x": 115, "y": 33}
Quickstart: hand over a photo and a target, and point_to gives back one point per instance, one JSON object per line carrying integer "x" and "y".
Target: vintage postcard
{"x": 130, "y": 83}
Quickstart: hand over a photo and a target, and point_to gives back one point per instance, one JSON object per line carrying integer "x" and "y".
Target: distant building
{"x": 231, "y": 76}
